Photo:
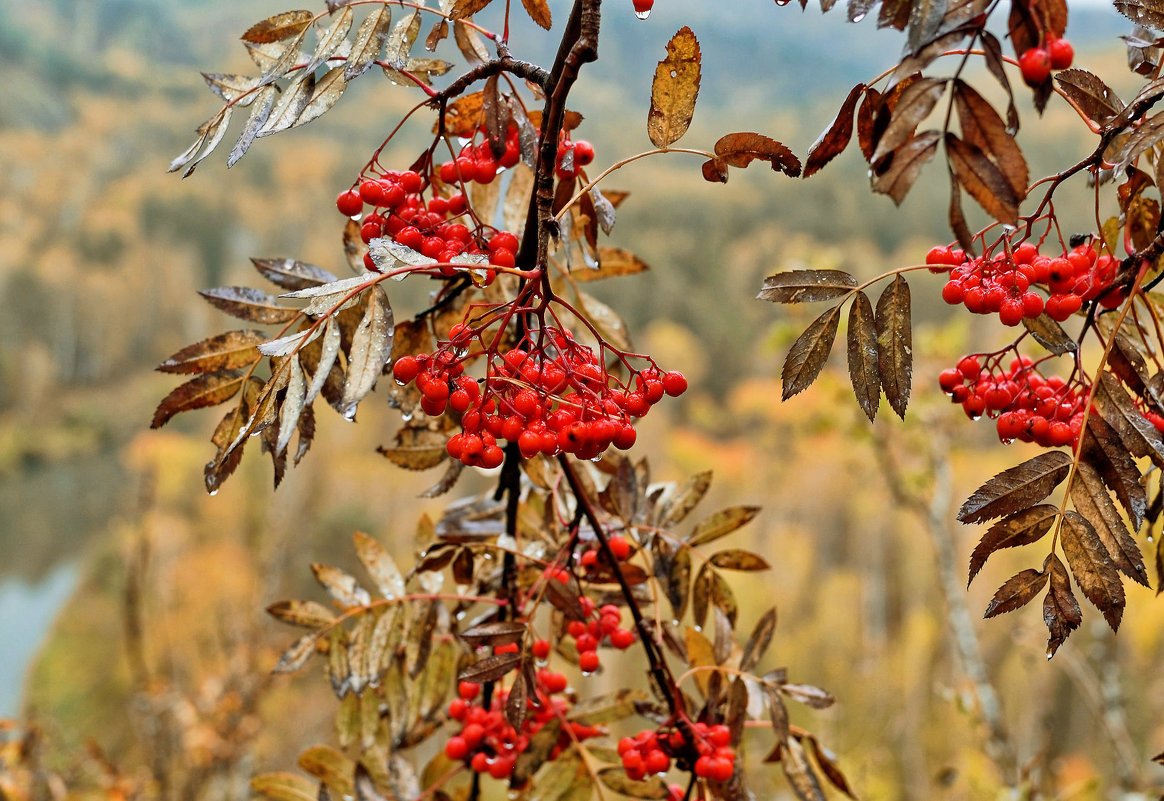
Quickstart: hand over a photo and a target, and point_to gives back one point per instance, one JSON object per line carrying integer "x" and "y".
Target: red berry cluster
{"x": 650, "y": 752}
{"x": 1037, "y": 62}
{"x": 550, "y": 404}
{"x": 589, "y": 634}
{"x": 1004, "y": 284}
{"x": 490, "y": 744}
{"x": 432, "y": 227}
{"x": 1028, "y": 406}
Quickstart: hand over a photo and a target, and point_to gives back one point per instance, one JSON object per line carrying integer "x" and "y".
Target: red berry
{"x": 411, "y": 182}
{"x": 583, "y": 152}
{"x": 954, "y": 292}
{"x": 619, "y": 547}
{"x": 657, "y": 762}
{"x": 541, "y": 648}
{"x": 674, "y": 383}
{"x": 456, "y": 748}
{"x": 1062, "y": 53}
{"x": 372, "y": 192}
{"x": 721, "y": 770}
{"x": 349, "y": 203}
{"x": 625, "y": 638}
{"x": 588, "y": 661}
{"x": 468, "y": 690}
{"x": 969, "y": 367}
{"x": 405, "y": 369}
{"x": 1012, "y": 311}
{"x": 1036, "y": 66}
{"x": 948, "y": 379}
{"x": 643, "y": 6}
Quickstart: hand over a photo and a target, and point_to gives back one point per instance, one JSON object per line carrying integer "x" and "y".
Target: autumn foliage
{"x": 476, "y": 661}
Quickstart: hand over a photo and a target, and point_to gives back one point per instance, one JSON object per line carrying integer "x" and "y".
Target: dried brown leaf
{"x": 982, "y": 179}
{"x": 895, "y": 344}
{"x": 369, "y": 42}
{"x": 1061, "y": 612}
{"x": 308, "y": 614}
{"x": 221, "y": 352}
{"x": 864, "y": 356}
{"x": 370, "y": 350}
{"x": 721, "y": 524}
{"x": 1016, "y": 592}
{"x": 380, "y": 566}
{"x": 340, "y": 585}
{"x": 1138, "y": 435}
{"x": 1103, "y": 450}
{"x": 1048, "y": 333}
{"x": 808, "y": 354}
{"x": 539, "y": 12}
{"x": 279, "y": 27}
{"x": 759, "y": 640}
{"x": 799, "y": 772}
{"x": 249, "y": 304}
{"x": 1021, "y": 528}
{"x": 741, "y": 149}
{"x": 738, "y": 559}
{"x": 807, "y": 286}
{"x": 915, "y": 103}
{"x": 674, "y": 90}
{"x": 833, "y": 141}
{"x": 1094, "y": 97}
{"x": 490, "y": 668}
{"x": 1091, "y": 500}
{"x": 1092, "y": 567}
{"x": 903, "y": 169}
{"x": 983, "y": 128}
{"x": 210, "y": 389}
{"x": 1016, "y": 488}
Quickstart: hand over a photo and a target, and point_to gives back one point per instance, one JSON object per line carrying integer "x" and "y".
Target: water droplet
{"x": 858, "y": 17}
{"x": 1050, "y": 653}
{"x": 643, "y": 14}
{"x": 400, "y": 383}
{"x": 406, "y": 417}
{"x": 214, "y": 492}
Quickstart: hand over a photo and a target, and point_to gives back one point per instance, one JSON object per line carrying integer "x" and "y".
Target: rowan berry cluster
{"x": 1004, "y": 284}
{"x": 1037, "y": 62}
{"x": 1027, "y": 406}
{"x": 650, "y": 752}
{"x": 547, "y": 399}
{"x": 488, "y": 743}
{"x": 443, "y": 226}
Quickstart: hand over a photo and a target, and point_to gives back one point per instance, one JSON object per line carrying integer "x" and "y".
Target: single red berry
{"x": 541, "y": 648}
{"x": 674, "y": 383}
{"x": 643, "y": 6}
{"x": 468, "y": 690}
{"x": 583, "y": 152}
{"x": 411, "y": 182}
{"x": 969, "y": 367}
{"x": 372, "y": 192}
{"x": 657, "y": 762}
{"x": 948, "y": 379}
{"x": 1036, "y": 66}
{"x": 586, "y": 642}
{"x": 456, "y": 748}
{"x": 480, "y": 762}
{"x": 625, "y": 638}
{"x": 405, "y": 369}
{"x": 721, "y": 769}
{"x": 954, "y": 292}
{"x": 588, "y": 661}
{"x": 1012, "y": 311}
{"x": 1062, "y": 53}
{"x": 349, "y": 203}
{"x": 620, "y": 547}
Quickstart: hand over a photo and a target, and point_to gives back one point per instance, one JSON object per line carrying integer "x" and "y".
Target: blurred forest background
{"x": 131, "y": 618}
